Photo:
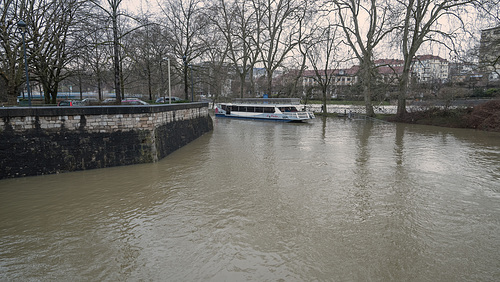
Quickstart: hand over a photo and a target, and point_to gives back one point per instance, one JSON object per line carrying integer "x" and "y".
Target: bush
{"x": 478, "y": 92}
{"x": 485, "y": 116}
{"x": 492, "y": 92}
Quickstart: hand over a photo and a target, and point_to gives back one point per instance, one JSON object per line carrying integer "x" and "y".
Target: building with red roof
{"x": 430, "y": 68}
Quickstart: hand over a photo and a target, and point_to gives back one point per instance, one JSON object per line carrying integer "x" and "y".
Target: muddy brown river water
{"x": 332, "y": 200}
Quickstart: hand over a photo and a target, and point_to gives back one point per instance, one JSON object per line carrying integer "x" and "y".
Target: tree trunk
{"x": 186, "y": 97}
{"x": 53, "y": 92}
{"x": 122, "y": 80}
{"x": 99, "y": 87}
{"x": 324, "y": 100}
{"x": 368, "y": 101}
{"x": 46, "y": 94}
{"x": 80, "y": 85}
{"x": 367, "y": 89}
{"x": 403, "y": 90}
{"x": 242, "y": 84}
{"x": 13, "y": 89}
{"x": 116, "y": 57}
{"x": 53, "y": 95}
{"x": 150, "y": 84}
{"x": 269, "y": 84}
{"x": 12, "y": 93}
{"x": 252, "y": 83}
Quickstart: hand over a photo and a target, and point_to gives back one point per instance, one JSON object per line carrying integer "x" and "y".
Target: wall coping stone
{"x": 96, "y": 110}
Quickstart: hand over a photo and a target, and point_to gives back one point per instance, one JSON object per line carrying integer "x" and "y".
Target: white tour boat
{"x": 284, "y": 109}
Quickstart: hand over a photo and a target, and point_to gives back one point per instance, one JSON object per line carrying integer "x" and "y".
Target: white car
{"x": 109, "y": 101}
{"x": 90, "y": 101}
{"x": 166, "y": 99}
{"x": 133, "y": 101}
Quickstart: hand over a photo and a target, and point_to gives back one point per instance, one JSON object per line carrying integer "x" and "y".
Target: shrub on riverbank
{"x": 483, "y": 117}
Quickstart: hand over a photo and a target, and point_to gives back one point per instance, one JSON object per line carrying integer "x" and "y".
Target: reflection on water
{"x": 333, "y": 199}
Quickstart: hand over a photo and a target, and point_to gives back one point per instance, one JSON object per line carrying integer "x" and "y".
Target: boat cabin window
{"x": 248, "y": 109}
{"x": 288, "y": 109}
{"x": 269, "y": 110}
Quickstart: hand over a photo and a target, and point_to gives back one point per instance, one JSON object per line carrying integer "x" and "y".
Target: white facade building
{"x": 429, "y": 68}
{"x": 489, "y": 53}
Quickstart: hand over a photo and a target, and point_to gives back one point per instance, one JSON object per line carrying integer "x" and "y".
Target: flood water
{"x": 331, "y": 200}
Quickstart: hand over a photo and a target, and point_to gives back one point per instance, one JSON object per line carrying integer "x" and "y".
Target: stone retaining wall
{"x": 44, "y": 140}
{"x": 345, "y": 109}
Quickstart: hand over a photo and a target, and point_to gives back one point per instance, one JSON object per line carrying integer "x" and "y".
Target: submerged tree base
{"x": 483, "y": 117}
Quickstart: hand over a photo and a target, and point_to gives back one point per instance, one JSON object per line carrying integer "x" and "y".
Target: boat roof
{"x": 289, "y": 101}
{"x": 259, "y": 105}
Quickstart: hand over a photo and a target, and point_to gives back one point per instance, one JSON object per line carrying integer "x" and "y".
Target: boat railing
{"x": 298, "y": 115}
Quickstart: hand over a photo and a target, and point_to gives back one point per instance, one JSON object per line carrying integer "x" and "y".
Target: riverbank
{"x": 485, "y": 116}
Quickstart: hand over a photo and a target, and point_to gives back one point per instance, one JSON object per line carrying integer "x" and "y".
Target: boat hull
{"x": 268, "y": 118}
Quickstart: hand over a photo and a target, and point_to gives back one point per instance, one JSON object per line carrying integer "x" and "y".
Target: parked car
{"x": 70, "y": 103}
{"x": 90, "y": 101}
{"x": 167, "y": 99}
{"x": 133, "y": 101}
{"x": 109, "y": 101}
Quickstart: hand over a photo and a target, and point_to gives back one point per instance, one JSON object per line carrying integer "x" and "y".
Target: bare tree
{"x": 120, "y": 29}
{"x": 112, "y": 9}
{"x": 307, "y": 25}
{"x": 94, "y": 51}
{"x": 215, "y": 69}
{"x": 488, "y": 10}
{"x": 420, "y": 24}
{"x": 364, "y": 23}
{"x": 53, "y": 46}
{"x": 147, "y": 51}
{"x": 279, "y": 33}
{"x": 237, "y": 24}
{"x": 144, "y": 43}
{"x": 184, "y": 23}
{"x": 11, "y": 12}
{"x": 321, "y": 56}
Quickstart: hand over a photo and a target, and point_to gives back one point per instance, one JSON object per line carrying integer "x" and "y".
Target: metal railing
{"x": 298, "y": 115}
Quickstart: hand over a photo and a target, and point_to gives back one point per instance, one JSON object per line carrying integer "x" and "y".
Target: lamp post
{"x": 184, "y": 59}
{"x": 169, "y": 88}
{"x": 22, "y": 25}
{"x": 161, "y": 89}
{"x": 162, "y": 83}
{"x": 192, "y": 85}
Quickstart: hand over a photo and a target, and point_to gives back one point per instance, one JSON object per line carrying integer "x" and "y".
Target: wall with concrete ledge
{"x": 45, "y": 140}
{"x": 358, "y": 109}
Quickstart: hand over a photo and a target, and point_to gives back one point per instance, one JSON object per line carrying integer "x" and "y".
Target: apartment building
{"x": 339, "y": 77}
{"x": 430, "y": 68}
{"x": 426, "y": 68}
{"x": 489, "y": 53}
{"x": 389, "y": 62}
